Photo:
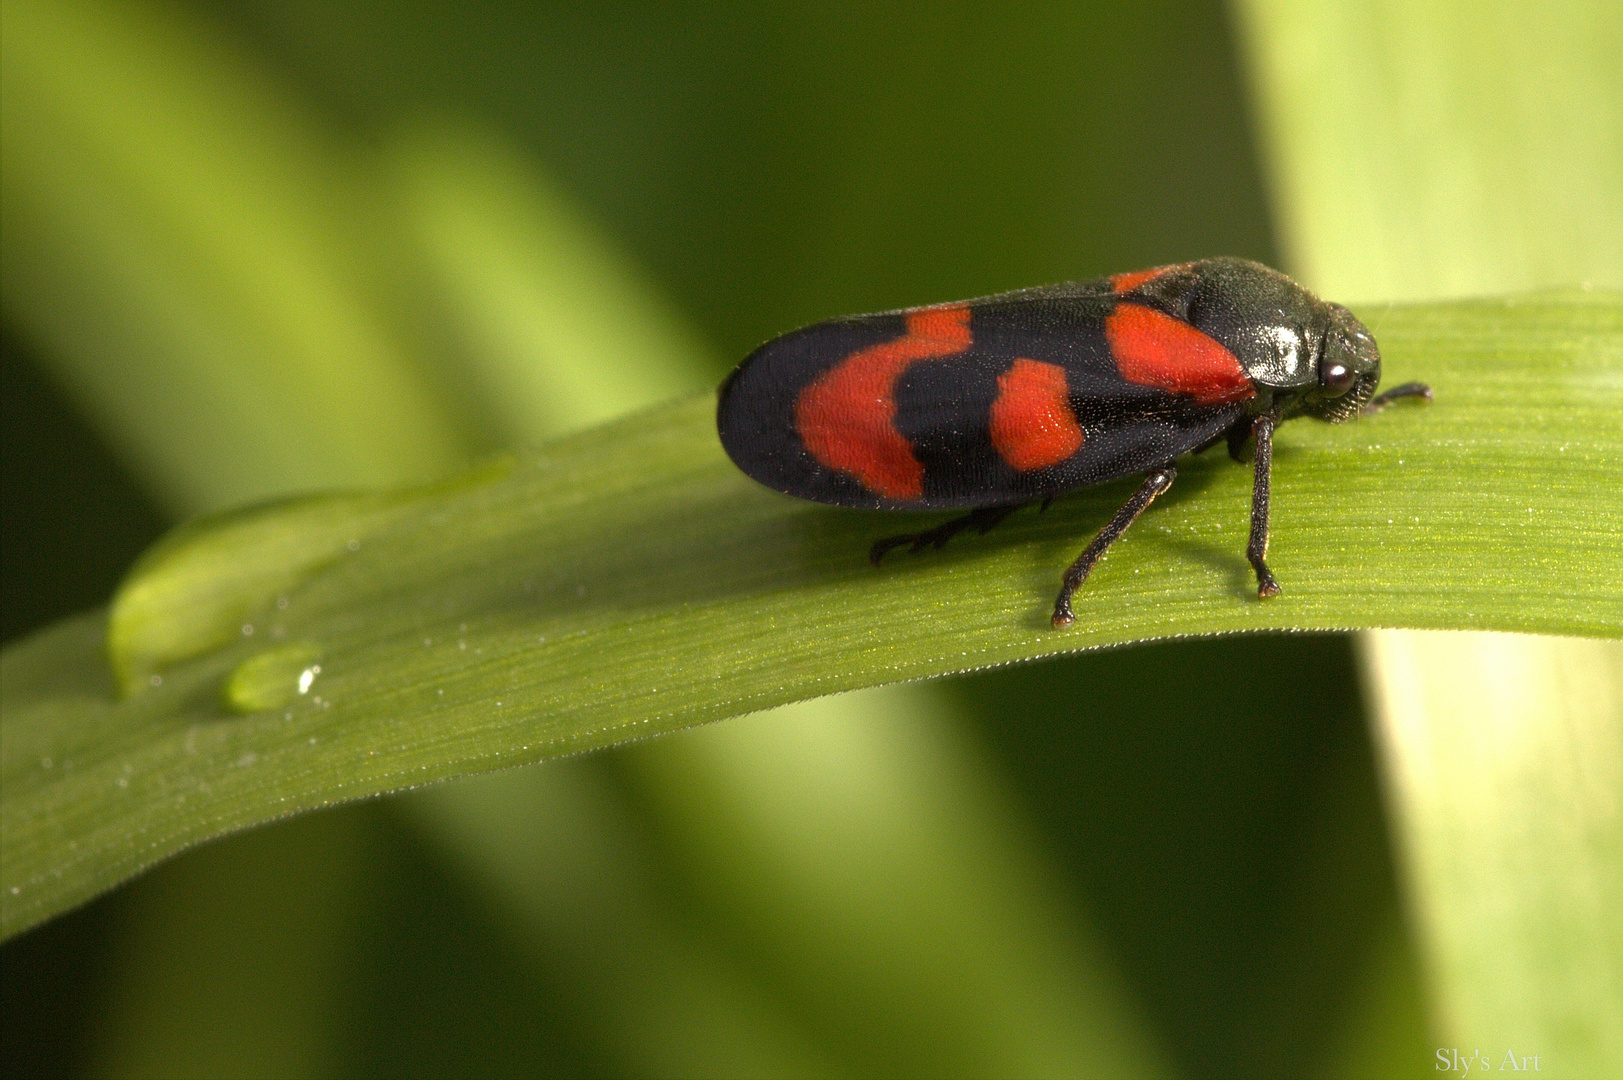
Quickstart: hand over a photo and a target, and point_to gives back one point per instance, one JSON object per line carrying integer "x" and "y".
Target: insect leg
{"x": 982, "y": 520}
{"x": 1263, "y": 428}
{"x": 1239, "y": 436}
{"x": 1154, "y": 484}
{"x": 1408, "y": 389}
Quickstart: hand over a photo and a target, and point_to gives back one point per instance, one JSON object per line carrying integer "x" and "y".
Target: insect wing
{"x": 988, "y": 402}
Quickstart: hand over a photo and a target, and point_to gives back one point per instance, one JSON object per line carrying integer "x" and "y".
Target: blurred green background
{"x": 365, "y": 243}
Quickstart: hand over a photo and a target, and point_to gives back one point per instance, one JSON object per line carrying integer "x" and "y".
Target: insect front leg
{"x": 1154, "y": 484}
{"x": 1407, "y": 390}
{"x": 1262, "y": 429}
{"x": 982, "y": 519}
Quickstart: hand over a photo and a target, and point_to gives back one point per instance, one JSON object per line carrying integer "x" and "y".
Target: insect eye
{"x": 1336, "y": 378}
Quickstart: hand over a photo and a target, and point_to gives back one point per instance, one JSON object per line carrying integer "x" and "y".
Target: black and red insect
{"x": 993, "y": 403}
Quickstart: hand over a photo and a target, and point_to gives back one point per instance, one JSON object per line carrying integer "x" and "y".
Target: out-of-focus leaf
{"x": 629, "y": 581}
{"x": 558, "y": 328}
{"x": 204, "y": 267}
{"x": 1506, "y": 769}
{"x": 1445, "y": 149}
{"x": 1458, "y": 148}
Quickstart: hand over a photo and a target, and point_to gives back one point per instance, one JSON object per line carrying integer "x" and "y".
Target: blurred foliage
{"x": 1442, "y": 149}
{"x": 697, "y": 910}
{"x": 1423, "y": 150}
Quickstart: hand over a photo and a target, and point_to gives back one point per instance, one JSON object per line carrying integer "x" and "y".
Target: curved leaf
{"x": 629, "y": 581}
{"x": 1440, "y": 149}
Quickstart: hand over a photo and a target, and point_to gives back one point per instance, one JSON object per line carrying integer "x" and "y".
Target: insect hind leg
{"x": 1154, "y": 484}
{"x": 982, "y": 520}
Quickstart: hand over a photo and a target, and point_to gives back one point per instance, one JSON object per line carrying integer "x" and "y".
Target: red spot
{"x": 846, "y": 417}
{"x": 1152, "y": 349}
{"x": 1032, "y": 421}
{"x": 1128, "y": 282}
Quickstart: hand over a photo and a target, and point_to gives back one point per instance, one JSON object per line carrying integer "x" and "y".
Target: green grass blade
{"x": 1456, "y": 148}
{"x": 1506, "y": 755}
{"x": 629, "y": 581}
{"x": 205, "y": 268}
{"x": 1423, "y": 151}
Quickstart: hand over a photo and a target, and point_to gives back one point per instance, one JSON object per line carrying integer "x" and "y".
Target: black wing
{"x": 988, "y": 402}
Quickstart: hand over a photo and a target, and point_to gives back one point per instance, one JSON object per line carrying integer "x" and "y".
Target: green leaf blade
{"x": 629, "y": 581}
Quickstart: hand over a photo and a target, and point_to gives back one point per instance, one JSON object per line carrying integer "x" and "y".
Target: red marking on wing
{"x": 1133, "y": 279}
{"x": 1152, "y": 349}
{"x": 846, "y": 417}
{"x": 1032, "y": 421}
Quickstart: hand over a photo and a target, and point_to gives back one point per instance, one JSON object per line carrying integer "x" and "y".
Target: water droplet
{"x": 271, "y": 679}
